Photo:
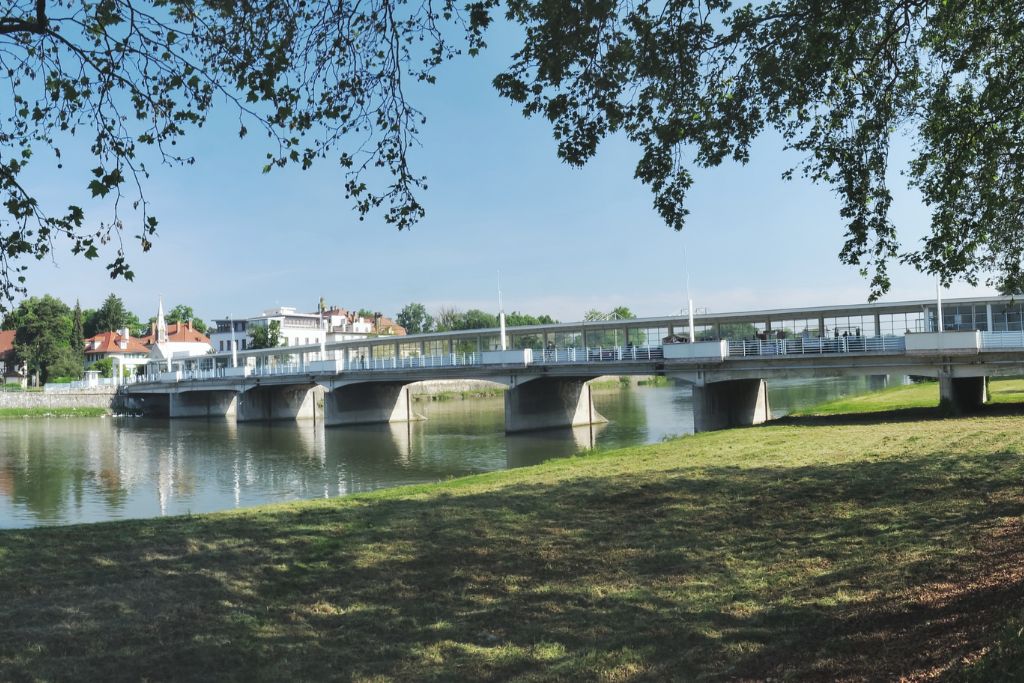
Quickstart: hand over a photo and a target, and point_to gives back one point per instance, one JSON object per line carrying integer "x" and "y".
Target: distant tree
{"x": 112, "y": 316}
{"x": 415, "y": 319}
{"x": 105, "y": 366}
{"x": 448, "y": 318}
{"x": 42, "y": 340}
{"x": 618, "y": 313}
{"x": 516, "y": 319}
{"x": 266, "y": 336}
{"x": 77, "y": 330}
{"x": 475, "y": 319}
{"x": 67, "y": 364}
{"x": 365, "y": 313}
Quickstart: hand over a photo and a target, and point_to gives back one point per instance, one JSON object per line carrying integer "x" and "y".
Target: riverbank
{"x": 813, "y": 549}
{"x": 922, "y": 396}
{"x": 11, "y": 413}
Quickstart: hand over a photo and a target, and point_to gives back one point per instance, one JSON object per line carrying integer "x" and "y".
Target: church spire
{"x": 161, "y": 324}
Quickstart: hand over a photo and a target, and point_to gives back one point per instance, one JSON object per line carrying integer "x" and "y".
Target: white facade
{"x": 297, "y": 329}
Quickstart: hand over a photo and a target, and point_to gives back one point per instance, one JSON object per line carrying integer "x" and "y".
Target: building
{"x": 344, "y": 324}
{"x": 11, "y": 372}
{"x": 302, "y": 329}
{"x": 296, "y": 329}
{"x": 177, "y": 341}
{"x": 125, "y": 350}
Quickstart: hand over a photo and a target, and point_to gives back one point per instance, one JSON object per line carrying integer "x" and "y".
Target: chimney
{"x": 152, "y": 330}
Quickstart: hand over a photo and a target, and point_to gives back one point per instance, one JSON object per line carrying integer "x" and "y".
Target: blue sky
{"x": 235, "y": 241}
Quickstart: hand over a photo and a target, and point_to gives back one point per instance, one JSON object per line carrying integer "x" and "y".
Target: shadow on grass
{"x": 899, "y": 415}
{"x": 857, "y": 570}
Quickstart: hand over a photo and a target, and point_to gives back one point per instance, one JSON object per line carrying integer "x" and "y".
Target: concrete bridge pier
{"x": 733, "y": 403}
{"x": 367, "y": 403}
{"x": 266, "y": 404}
{"x": 962, "y": 394}
{"x": 878, "y": 382}
{"x": 203, "y": 404}
{"x": 549, "y": 402}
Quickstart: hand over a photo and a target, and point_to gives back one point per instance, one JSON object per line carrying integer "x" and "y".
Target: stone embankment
{"x": 99, "y": 397}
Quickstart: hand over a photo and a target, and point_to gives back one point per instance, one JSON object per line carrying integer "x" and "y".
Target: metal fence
{"x": 816, "y": 346}
{"x": 1002, "y": 340}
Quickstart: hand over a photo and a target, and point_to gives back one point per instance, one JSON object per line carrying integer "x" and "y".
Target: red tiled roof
{"x": 109, "y": 342}
{"x": 6, "y": 342}
{"x": 177, "y": 332}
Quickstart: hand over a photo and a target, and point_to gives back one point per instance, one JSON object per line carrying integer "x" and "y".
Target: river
{"x": 74, "y": 470}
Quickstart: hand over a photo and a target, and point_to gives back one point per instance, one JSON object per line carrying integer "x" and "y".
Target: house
{"x": 125, "y": 350}
{"x": 302, "y": 329}
{"x": 11, "y": 372}
{"x": 296, "y": 329}
{"x": 176, "y": 341}
{"x": 343, "y": 324}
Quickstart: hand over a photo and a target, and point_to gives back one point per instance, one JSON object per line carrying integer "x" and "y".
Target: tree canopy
{"x": 44, "y": 328}
{"x": 415, "y": 319}
{"x": 266, "y": 336}
{"x": 111, "y": 317}
{"x": 691, "y": 82}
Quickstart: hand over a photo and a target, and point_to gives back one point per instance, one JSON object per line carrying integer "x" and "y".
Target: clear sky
{"x": 235, "y": 241}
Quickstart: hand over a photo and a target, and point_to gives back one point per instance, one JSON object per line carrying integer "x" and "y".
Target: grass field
{"x": 810, "y": 550}
{"x": 52, "y": 412}
{"x": 911, "y": 396}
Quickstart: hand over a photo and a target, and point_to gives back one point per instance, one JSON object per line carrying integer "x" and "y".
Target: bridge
{"x": 546, "y": 368}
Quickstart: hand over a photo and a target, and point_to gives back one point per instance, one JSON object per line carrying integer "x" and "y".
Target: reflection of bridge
{"x": 546, "y": 367}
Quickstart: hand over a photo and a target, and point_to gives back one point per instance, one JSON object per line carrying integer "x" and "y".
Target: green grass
{"x": 52, "y": 412}
{"x": 911, "y": 396}
{"x": 804, "y": 551}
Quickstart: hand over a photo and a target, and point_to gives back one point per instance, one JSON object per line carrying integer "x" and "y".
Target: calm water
{"x": 66, "y": 471}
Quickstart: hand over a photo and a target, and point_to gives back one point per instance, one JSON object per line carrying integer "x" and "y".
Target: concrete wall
{"x": 203, "y": 404}
{"x": 962, "y": 394}
{"x": 550, "y": 402}
{"x": 90, "y": 398}
{"x": 278, "y": 403}
{"x": 368, "y": 403}
{"x": 737, "y": 403}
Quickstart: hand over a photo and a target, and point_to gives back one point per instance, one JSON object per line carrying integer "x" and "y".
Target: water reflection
{"x": 81, "y": 470}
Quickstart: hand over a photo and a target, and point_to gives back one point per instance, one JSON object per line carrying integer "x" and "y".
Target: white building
{"x": 297, "y": 329}
{"x": 301, "y": 329}
{"x": 177, "y": 341}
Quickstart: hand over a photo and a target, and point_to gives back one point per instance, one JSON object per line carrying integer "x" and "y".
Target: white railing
{"x": 816, "y": 346}
{"x": 100, "y": 382}
{"x": 446, "y": 360}
{"x": 1002, "y": 340}
{"x": 567, "y": 356}
{"x": 596, "y": 354}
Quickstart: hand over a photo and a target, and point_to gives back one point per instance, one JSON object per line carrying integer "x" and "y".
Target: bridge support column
{"x": 203, "y": 404}
{"x": 878, "y": 382}
{"x": 368, "y": 403}
{"x": 962, "y": 394}
{"x": 550, "y": 402}
{"x": 265, "y": 404}
{"x": 735, "y": 403}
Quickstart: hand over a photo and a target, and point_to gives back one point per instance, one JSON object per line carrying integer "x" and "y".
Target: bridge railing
{"x": 598, "y": 354}
{"x": 446, "y": 360}
{"x": 1002, "y": 340}
{"x": 816, "y": 346}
